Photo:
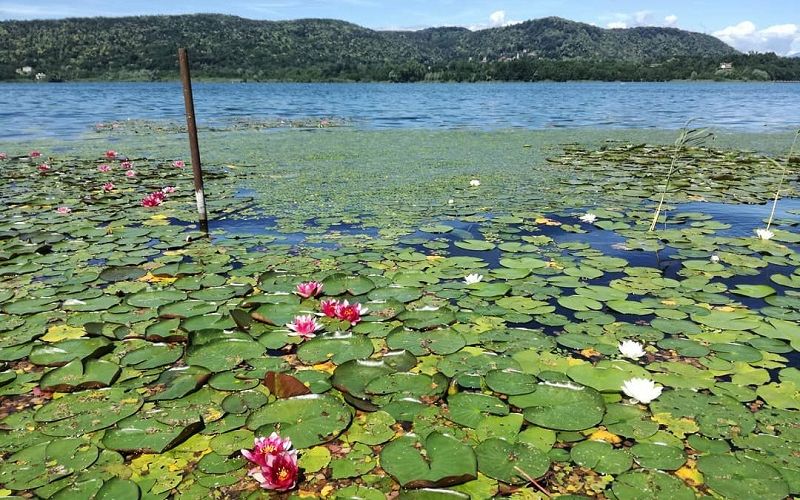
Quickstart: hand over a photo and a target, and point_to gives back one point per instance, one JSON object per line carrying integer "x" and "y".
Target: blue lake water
{"x": 68, "y": 110}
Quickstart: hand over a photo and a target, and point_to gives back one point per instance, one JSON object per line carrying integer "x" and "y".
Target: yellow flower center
{"x": 283, "y": 474}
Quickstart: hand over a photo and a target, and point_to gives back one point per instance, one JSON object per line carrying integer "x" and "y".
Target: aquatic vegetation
{"x": 687, "y": 138}
{"x": 309, "y": 289}
{"x": 631, "y": 349}
{"x": 641, "y": 390}
{"x": 784, "y": 167}
{"x": 304, "y": 326}
{"x": 137, "y": 356}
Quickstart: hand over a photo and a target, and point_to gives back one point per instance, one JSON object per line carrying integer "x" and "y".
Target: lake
{"x": 67, "y": 110}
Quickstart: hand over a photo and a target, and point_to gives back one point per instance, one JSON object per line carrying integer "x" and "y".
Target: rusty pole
{"x": 188, "y": 99}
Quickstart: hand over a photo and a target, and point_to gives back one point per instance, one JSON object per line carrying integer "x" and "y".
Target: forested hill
{"x": 316, "y": 49}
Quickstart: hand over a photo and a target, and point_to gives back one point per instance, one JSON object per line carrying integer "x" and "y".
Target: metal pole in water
{"x": 191, "y": 124}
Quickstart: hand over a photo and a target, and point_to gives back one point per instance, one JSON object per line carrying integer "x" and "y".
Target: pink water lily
{"x": 3, "y": 156}
{"x": 169, "y": 190}
{"x": 178, "y": 163}
{"x": 153, "y": 199}
{"x": 130, "y": 174}
{"x": 34, "y": 154}
{"x": 304, "y": 327}
{"x": 44, "y": 167}
{"x": 263, "y": 447}
{"x": 111, "y": 154}
{"x": 328, "y": 307}
{"x": 109, "y": 186}
{"x": 126, "y": 165}
{"x": 104, "y": 168}
{"x": 64, "y": 210}
{"x": 280, "y": 473}
{"x": 309, "y": 289}
{"x": 350, "y": 312}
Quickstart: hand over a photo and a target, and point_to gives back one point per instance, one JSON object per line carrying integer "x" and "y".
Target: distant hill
{"x": 144, "y": 48}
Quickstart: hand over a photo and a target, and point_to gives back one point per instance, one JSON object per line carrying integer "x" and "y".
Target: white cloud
{"x": 783, "y": 39}
{"x": 497, "y": 19}
{"x": 622, "y": 20}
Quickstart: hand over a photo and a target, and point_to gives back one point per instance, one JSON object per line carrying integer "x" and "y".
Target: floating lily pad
{"x": 447, "y": 461}
{"x": 307, "y": 420}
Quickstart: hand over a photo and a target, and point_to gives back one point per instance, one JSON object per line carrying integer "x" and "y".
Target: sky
{"x": 763, "y": 26}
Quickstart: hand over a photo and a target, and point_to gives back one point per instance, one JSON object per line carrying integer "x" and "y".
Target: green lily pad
{"x": 601, "y": 457}
{"x": 511, "y": 463}
{"x": 307, "y": 420}
{"x": 447, "y": 461}
{"x": 562, "y": 407}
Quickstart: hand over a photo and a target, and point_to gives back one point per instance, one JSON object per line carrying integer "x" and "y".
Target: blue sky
{"x": 746, "y": 24}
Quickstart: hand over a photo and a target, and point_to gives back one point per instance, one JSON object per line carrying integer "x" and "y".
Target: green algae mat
{"x": 511, "y": 327}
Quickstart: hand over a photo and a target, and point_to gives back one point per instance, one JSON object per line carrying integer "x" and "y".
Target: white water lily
{"x": 631, "y": 349}
{"x": 451, "y": 201}
{"x": 474, "y": 183}
{"x": 715, "y": 259}
{"x": 471, "y": 279}
{"x": 588, "y": 218}
{"x": 74, "y": 302}
{"x": 764, "y": 234}
{"x": 641, "y": 390}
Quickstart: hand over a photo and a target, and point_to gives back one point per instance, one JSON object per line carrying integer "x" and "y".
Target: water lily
{"x": 178, "y": 163}
{"x": 350, "y": 312}
{"x": 588, "y": 218}
{"x": 34, "y": 154}
{"x": 263, "y": 447}
{"x": 471, "y": 279}
{"x": 3, "y": 156}
{"x": 714, "y": 259}
{"x": 104, "y": 168}
{"x": 764, "y": 234}
{"x": 309, "y": 289}
{"x": 641, "y": 390}
{"x": 451, "y": 201}
{"x": 126, "y": 165}
{"x": 44, "y": 167}
{"x": 275, "y": 463}
{"x": 631, "y": 349}
{"x": 169, "y": 189}
{"x": 474, "y": 183}
{"x": 109, "y": 186}
{"x": 64, "y": 210}
{"x": 111, "y": 154}
{"x": 280, "y": 474}
{"x": 130, "y": 174}
{"x": 153, "y": 199}
{"x": 328, "y": 307}
{"x": 304, "y": 326}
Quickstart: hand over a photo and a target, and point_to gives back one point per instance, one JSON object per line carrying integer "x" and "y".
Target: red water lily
{"x": 34, "y": 154}
{"x": 328, "y": 307}
{"x": 276, "y": 463}
{"x": 111, "y": 154}
{"x": 153, "y": 199}
{"x": 108, "y": 186}
{"x": 126, "y": 165}
{"x": 309, "y": 289}
{"x": 350, "y": 312}
{"x": 44, "y": 167}
{"x": 266, "y": 446}
{"x": 304, "y": 326}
